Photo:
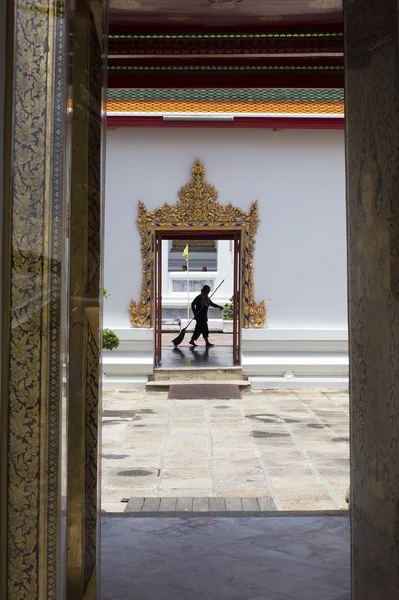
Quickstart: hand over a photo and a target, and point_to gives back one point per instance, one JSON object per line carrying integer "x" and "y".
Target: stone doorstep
{"x": 211, "y": 374}
{"x": 163, "y": 386}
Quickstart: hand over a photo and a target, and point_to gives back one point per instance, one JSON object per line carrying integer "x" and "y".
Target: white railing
{"x": 178, "y": 281}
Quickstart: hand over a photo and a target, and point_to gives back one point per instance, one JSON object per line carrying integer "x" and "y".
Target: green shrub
{"x": 228, "y": 312}
{"x": 110, "y": 339}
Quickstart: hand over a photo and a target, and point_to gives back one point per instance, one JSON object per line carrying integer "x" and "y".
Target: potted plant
{"x": 110, "y": 339}
{"x": 228, "y": 315}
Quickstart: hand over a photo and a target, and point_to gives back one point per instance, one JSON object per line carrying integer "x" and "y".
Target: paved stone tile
{"x": 204, "y": 483}
{"x": 184, "y": 504}
{"x": 217, "y": 504}
{"x": 113, "y": 507}
{"x": 240, "y": 483}
{"x": 201, "y": 504}
{"x": 250, "y": 504}
{"x": 138, "y": 483}
{"x": 184, "y": 463}
{"x": 235, "y": 454}
{"x": 185, "y": 473}
{"x": 182, "y": 493}
{"x": 245, "y": 492}
{"x": 135, "y": 504}
{"x": 277, "y": 444}
{"x": 302, "y": 501}
{"x": 167, "y": 504}
{"x": 149, "y": 505}
{"x": 267, "y": 504}
{"x": 233, "y": 504}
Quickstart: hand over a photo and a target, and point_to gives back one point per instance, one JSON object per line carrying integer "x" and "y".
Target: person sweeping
{"x": 200, "y": 306}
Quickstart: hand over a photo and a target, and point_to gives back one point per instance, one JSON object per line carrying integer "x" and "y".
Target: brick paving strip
{"x": 203, "y": 505}
{"x": 210, "y": 507}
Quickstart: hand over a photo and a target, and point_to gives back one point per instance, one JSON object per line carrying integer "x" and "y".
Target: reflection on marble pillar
{"x": 31, "y": 553}
{"x": 372, "y": 108}
{"x": 88, "y": 68}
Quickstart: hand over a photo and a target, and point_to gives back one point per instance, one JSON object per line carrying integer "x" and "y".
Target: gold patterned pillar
{"x": 87, "y": 84}
{"x": 32, "y": 554}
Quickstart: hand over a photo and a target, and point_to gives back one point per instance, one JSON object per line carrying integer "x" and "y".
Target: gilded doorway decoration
{"x": 197, "y": 209}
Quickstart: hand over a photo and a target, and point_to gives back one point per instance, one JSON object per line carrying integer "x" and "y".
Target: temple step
{"x": 198, "y": 373}
{"x": 164, "y": 377}
{"x": 163, "y": 385}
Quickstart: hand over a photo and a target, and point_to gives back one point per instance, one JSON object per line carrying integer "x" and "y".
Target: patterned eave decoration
{"x": 224, "y": 68}
{"x": 255, "y": 105}
{"x": 228, "y": 35}
{"x": 229, "y": 60}
{"x": 195, "y": 44}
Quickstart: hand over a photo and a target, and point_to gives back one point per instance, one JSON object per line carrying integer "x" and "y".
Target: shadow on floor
{"x": 239, "y": 558}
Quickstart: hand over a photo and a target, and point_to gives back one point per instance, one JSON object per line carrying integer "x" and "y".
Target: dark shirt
{"x": 197, "y": 303}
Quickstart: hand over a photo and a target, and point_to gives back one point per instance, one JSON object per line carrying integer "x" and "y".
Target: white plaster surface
{"x": 298, "y": 178}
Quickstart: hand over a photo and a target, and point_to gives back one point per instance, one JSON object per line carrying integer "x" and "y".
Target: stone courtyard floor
{"x": 289, "y": 449}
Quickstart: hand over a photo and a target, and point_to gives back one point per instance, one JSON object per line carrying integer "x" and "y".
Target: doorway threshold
{"x": 164, "y": 377}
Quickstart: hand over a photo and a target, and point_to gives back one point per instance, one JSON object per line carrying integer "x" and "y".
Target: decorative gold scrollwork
{"x": 137, "y": 313}
{"x": 257, "y": 314}
{"x": 197, "y": 209}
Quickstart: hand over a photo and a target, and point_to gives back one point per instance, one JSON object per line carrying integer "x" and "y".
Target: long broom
{"x": 178, "y": 340}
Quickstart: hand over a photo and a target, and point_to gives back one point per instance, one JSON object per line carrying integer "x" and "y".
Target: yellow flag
{"x": 185, "y": 253}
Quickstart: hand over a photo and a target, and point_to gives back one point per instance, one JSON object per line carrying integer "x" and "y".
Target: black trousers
{"x": 201, "y": 327}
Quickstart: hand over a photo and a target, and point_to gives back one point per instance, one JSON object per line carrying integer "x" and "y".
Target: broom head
{"x": 178, "y": 340}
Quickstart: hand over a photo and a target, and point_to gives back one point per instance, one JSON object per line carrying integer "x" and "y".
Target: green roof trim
{"x": 229, "y": 95}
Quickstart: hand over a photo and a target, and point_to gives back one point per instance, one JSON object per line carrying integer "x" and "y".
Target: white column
{"x": 188, "y": 285}
{"x": 225, "y": 270}
{"x": 165, "y": 272}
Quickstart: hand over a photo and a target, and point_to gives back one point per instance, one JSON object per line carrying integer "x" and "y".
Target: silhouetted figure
{"x": 204, "y": 269}
{"x": 200, "y": 307}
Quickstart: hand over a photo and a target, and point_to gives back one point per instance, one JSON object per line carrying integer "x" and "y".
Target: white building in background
{"x": 300, "y": 258}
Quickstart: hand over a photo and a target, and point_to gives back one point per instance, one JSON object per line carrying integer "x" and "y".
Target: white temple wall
{"x": 297, "y": 176}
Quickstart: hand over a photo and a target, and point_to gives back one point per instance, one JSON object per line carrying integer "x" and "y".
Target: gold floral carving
{"x": 32, "y": 315}
{"x": 197, "y": 208}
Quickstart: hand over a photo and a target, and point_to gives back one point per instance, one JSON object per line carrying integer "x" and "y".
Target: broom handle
{"x": 186, "y": 327}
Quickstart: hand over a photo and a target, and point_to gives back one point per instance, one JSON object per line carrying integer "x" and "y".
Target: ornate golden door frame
{"x": 197, "y": 210}
{"x": 235, "y": 236}
{"x": 52, "y": 176}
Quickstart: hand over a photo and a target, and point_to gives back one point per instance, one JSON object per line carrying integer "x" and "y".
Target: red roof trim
{"x": 238, "y": 123}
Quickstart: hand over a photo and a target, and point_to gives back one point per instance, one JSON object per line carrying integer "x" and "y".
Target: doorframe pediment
{"x": 197, "y": 209}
